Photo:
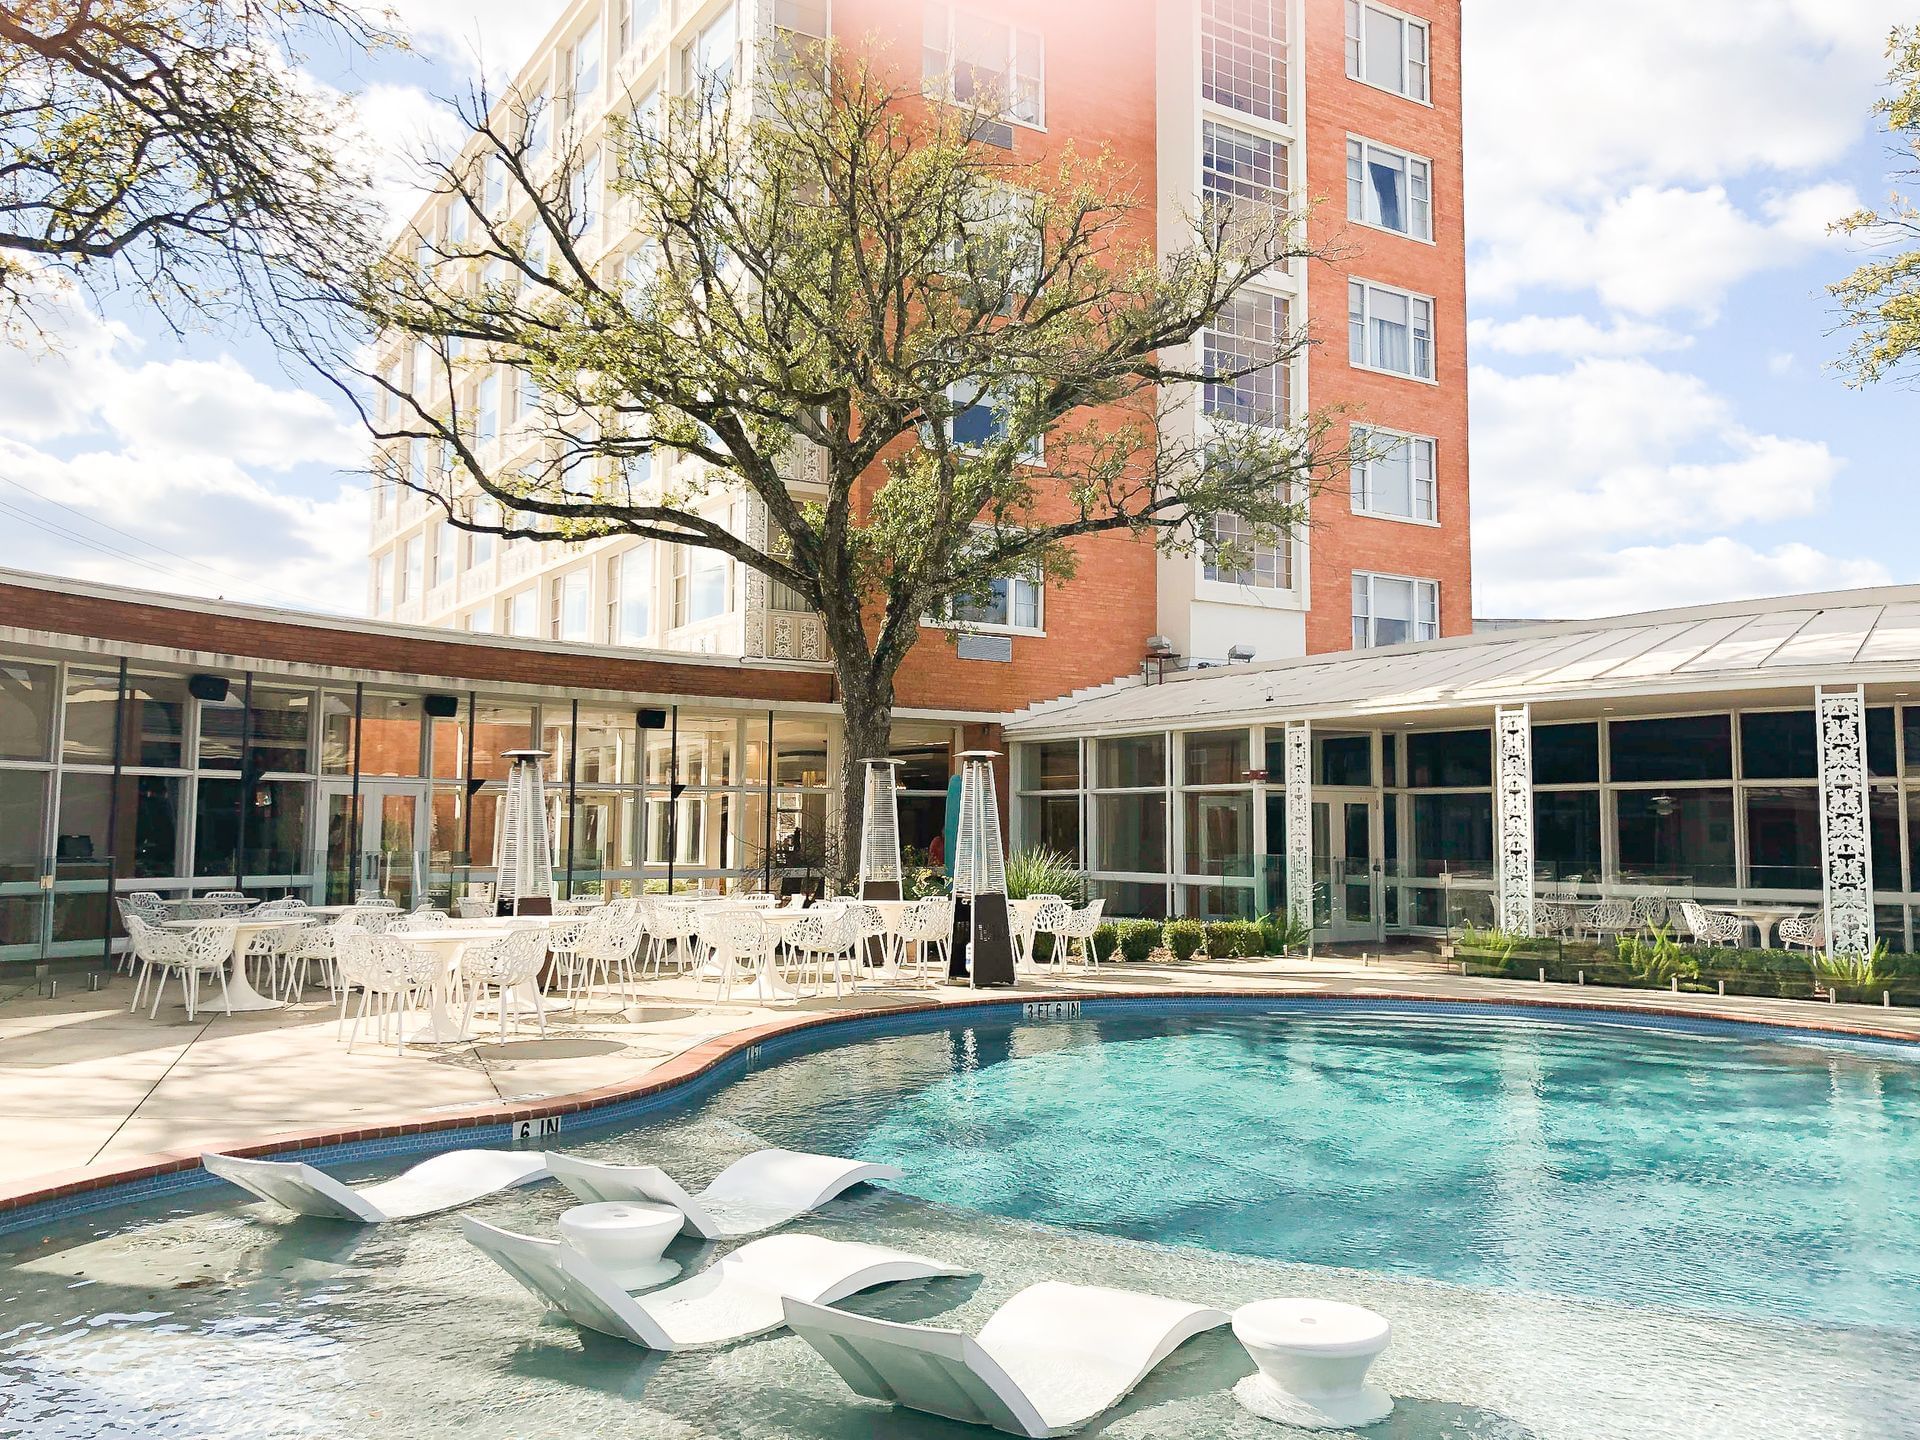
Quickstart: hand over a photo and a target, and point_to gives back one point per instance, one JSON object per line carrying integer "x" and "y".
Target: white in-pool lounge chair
{"x": 735, "y": 1299}
{"x": 1051, "y": 1359}
{"x": 445, "y": 1182}
{"x": 759, "y": 1192}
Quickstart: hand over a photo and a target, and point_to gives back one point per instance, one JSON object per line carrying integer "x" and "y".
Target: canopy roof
{"x": 1656, "y": 660}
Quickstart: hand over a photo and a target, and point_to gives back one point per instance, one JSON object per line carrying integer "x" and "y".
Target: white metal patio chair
{"x": 1075, "y": 929}
{"x": 189, "y": 954}
{"x": 505, "y": 966}
{"x": 928, "y": 927}
{"x": 1803, "y": 932}
{"x": 740, "y": 942}
{"x": 1052, "y": 915}
{"x": 375, "y": 897}
{"x": 1607, "y": 917}
{"x": 1712, "y": 927}
{"x": 1026, "y": 924}
{"x": 393, "y": 982}
{"x": 318, "y": 946}
{"x": 824, "y": 937}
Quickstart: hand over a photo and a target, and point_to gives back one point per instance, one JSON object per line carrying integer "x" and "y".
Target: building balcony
{"x": 479, "y": 581}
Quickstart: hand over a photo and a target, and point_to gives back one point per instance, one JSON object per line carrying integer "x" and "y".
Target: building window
{"x": 981, "y": 421}
{"x": 699, "y": 584}
{"x": 1389, "y": 330}
{"x": 1262, "y": 564}
{"x": 1387, "y": 49}
{"x": 383, "y": 584}
{"x": 417, "y": 466}
{"x": 1392, "y": 609}
{"x": 1389, "y": 189}
{"x": 414, "y": 571}
{"x": 479, "y": 622}
{"x": 584, "y": 192}
{"x": 569, "y": 621}
{"x": 630, "y": 609}
{"x": 1240, "y": 170}
{"x": 1012, "y": 602}
{"x": 586, "y": 63}
{"x": 707, "y": 61}
{"x": 446, "y": 554}
{"x": 635, "y": 17}
{"x": 971, "y": 59}
{"x": 480, "y": 546}
{"x": 486, "y": 424}
{"x": 522, "y": 614}
{"x": 1243, "y": 56}
{"x": 1393, "y": 474}
{"x": 539, "y": 133}
{"x": 494, "y": 190}
{"x": 1251, "y": 330}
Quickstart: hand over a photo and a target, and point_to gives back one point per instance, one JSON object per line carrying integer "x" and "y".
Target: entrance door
{"x": 386, "y": 852}
{"x": 1346, "y": 854}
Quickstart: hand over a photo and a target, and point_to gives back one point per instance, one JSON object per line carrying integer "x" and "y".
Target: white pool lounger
{"x": 735, "y": 1299}
{"x": 759, "y": 1192}
{"x": 445, "y": 1182}
{"x": 1050, "y": 1360}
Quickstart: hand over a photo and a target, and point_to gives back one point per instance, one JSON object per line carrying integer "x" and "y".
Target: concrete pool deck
{"x": 90, "y": 1093}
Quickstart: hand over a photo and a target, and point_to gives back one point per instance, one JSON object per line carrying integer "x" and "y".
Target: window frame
{"x": 1355, "y": 51}
{"x": 943, "y": 89}
{"x": 1431, "y": 521}
{"x": 1409, "y": 159}
{"x": 1422, "y": 587}
{"x": 1413, "y": 298}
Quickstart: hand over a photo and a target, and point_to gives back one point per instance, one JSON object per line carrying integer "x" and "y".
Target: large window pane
{"x": 1675, "y": 837}
{"x": 149, "y": 835}
{"x": 1052, "y": 765}
{"x": 277, "y": 731}
{"x": 800, "y": 751}
{"x": 275, "y": 826}
{"x": 1219, "y": 834}
{"x": 1449, "y": 759}
{"x": 1217, "y": 757}
{"x": 87, "y": 734}
{"x": 1783, "y": 832}
{"x": 1687, "y": 747}
{"x": 1452, "y": 833}
{"x": 389, "y": 735}
{"x": 1778, "y": 745}
{"x": 26, "y": 711}
{"x": 1343, "y": 759}
{"x": 1053, "y": 823}
{"x": 1131, "y": 761}
{"x": 1131, "y": 898}
{"x": 1133, "y": 833}
{"x": 1566, "y": 754}
{"x": 23, "y": 818}
{"x": 1566, "y": 834}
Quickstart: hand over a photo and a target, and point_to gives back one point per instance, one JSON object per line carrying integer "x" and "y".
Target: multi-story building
{"x": 1351, "y": 106}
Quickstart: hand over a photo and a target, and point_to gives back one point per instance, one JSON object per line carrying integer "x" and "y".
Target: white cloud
{"x": 482, "y": 37}
{"x": 176, "y": 453}
{"x": 1600, "y": 488}
{"x": 399, "y": 125}
{"x": 1573, "y": 336}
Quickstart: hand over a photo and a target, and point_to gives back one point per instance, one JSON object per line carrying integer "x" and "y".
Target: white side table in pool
{"x": 1313, "y": 1357}
{"x": 626, "y": 1238}
{"x": 241, "y": 995}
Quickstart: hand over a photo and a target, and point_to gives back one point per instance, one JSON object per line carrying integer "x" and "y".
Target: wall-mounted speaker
{"x": 653, "y": 719}
{"x": 442, "y": 707}
{"x": 207, "y": 687}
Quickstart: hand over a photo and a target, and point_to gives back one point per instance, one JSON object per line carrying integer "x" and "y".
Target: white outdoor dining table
{"x": 241, "y": 995}
{"x": 1763, "y": 917}
{"x": 445, "y": 944}
{"x": 1022, "y": 914}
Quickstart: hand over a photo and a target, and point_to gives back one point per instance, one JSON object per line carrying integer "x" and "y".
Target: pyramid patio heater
{"x": 982, "y": 941}
{"x": 880, "y": 869}
{"x": 522, "y": 848}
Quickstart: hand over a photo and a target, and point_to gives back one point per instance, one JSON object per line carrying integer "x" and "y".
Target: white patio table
{"x": 1022, "y": 914}
{"x": 241, "y": 995}
{"x": 445, "y": 943}
{"x": 1764, "y": 917}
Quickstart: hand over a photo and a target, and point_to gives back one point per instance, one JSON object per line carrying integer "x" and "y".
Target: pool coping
{"x": 704, "y": 1061}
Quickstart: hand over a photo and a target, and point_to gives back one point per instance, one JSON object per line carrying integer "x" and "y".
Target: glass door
{"x": 1346, "y": 854}
{"x": 385, "y": 853}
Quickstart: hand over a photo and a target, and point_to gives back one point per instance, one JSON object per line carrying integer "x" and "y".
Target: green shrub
{"x": 1659, "y": 960}
{"x": 1045, "y": 872}
{"x": 1233, "y": 939}
{"x": 1184, "y": 938}
{"x": 1138, "y": 939}
{"x": 1106, "y": 939}
{"x": 1282, "y": 933}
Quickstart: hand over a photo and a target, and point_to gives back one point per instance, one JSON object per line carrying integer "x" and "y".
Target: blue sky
{"x": 1654, "y": 419}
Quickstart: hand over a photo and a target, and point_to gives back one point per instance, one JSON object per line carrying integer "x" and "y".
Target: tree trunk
{"x": 866, "y": 710}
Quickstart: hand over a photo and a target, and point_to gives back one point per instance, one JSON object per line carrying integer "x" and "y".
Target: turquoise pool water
{"x": 1580, "y": 1231}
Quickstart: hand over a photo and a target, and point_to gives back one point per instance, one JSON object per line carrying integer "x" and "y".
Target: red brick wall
{"x": 1100, "y": 92}
{"x": 1341, "y": 541}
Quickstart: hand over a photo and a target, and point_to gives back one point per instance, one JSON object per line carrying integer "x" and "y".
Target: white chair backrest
{"x": 1081, "y": 923}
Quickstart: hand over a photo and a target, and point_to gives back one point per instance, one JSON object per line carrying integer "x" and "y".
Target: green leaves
{"x": 1880, "y": 301}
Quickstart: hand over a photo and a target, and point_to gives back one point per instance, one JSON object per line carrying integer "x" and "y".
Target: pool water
{"x": 1578, "y": 1230}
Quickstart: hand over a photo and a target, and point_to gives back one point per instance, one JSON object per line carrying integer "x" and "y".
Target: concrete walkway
{"x": 84, "y": 1085}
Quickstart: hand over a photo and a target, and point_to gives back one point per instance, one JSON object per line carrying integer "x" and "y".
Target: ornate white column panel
{"x": 1300, "y": 822}
{"x": 1846, "y": 852}
{"x": 1513, "y": 815}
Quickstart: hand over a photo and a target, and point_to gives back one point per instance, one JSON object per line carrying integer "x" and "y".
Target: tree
{"x": 1881, "y": 300}
{"x": 841, "y": 272}
{"x": 172, "y": 146}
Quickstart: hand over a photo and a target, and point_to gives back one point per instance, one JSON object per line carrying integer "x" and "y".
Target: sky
{"x": 1654, "y": 416}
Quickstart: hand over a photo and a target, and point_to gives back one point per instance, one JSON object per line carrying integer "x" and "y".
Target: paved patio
{"x": 85, "y": 1086}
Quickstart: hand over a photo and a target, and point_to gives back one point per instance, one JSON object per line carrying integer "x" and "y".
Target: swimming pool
{"x": 1579, "y": 1226}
